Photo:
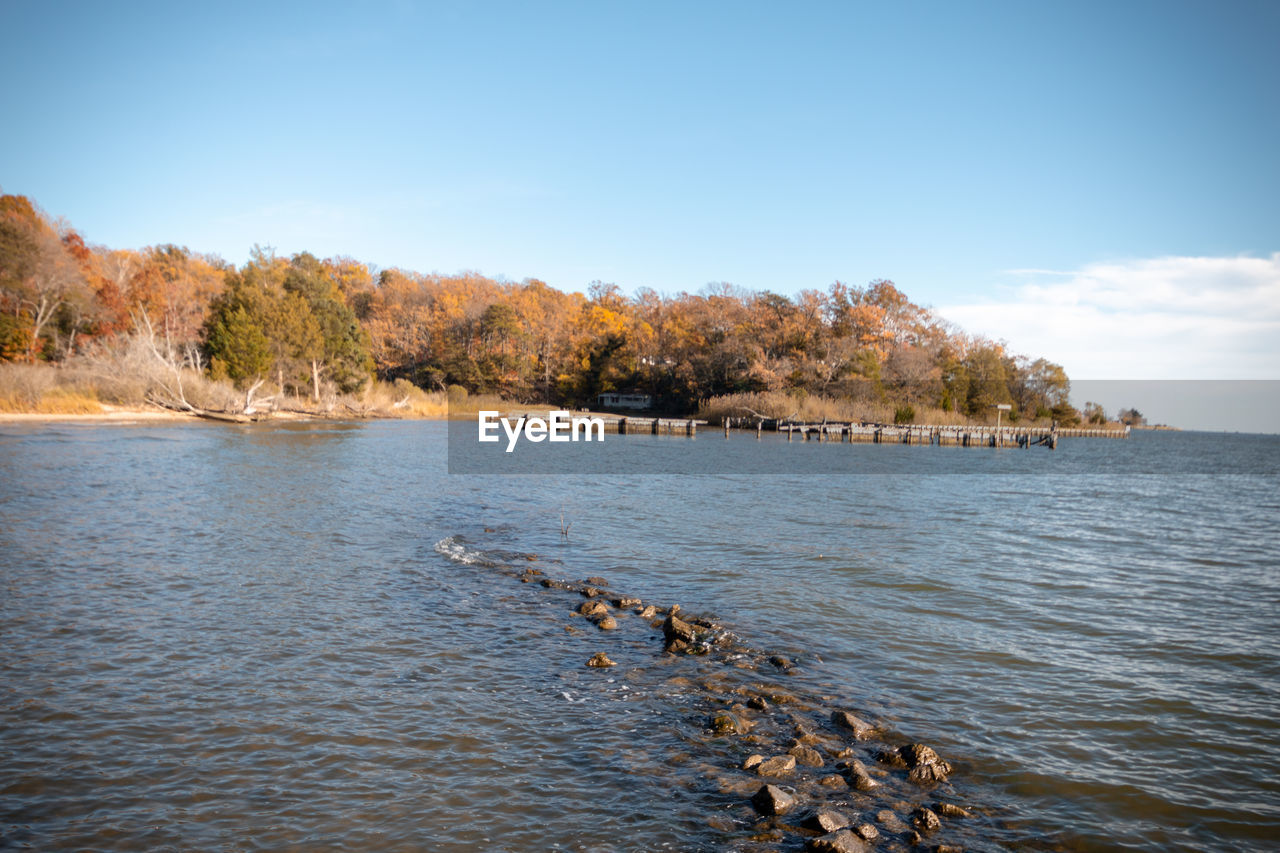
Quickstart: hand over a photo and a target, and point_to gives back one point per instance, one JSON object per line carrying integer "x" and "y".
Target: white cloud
{"x": 1162, "y": 318}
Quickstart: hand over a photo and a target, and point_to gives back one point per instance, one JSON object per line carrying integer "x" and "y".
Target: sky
{"x": 1095, "y": 183}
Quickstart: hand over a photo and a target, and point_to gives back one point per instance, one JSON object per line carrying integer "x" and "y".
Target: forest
{"x": 308, "y": 330}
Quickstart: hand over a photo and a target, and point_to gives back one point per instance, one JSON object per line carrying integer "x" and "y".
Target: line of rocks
{"x": 864, "y": 793}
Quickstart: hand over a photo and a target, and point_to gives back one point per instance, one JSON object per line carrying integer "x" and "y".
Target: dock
{"x": 955, "y": 435}
{"x": 922, "y": 434}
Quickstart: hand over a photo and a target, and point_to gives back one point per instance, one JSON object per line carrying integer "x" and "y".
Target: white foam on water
{"x": 460, "y": 553}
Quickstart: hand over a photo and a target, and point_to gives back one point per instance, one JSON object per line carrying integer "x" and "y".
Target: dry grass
{"x": 46, "y": 390}
{"x": 812, "y": 408}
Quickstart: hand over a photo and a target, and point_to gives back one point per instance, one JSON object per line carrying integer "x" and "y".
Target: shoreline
{"x": 123, "y": 416}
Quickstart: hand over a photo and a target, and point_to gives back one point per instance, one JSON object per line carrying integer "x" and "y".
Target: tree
{"x": 39, "y": 275}
{"x": 1131, "y": 417}
{"x": 238, "y": 347}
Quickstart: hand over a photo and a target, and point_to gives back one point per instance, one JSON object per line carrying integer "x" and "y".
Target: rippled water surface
{"x": 311, "y": 636}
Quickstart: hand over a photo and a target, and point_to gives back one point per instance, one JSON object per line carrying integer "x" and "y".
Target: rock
{"x": 948, "y": 848}
{"x": 858, "y": 776}
{"x": 600, "y": 659}
{"x": 752, "y": 761}
{"x": 827, "y": 820}
{"x": 675, "y": 628}
{"x": 758, "y": 703}
{"x": 608, "y": 623}
{"x": 890, "y": 757}
{"x": 649, "y": 612}
{"x": 926, "y": 766}
{"x": 890, "y": 821}
{"x": 834, "y": 782}
{"x": 915, "y": 839}
{"x": 806, "y": 756}
{"x": 843, "y": 841}
{"x": 625, "y": 601}
{"x": 677, "y": 646}
{"x": 860, "y": 728}
{"x": 771, "y": 799}
{"x": 779, "y": 765}
{"x": 725, "y": 723}
{"x": 780, "y": 662}
{"x": 593, "y": 607}
{"x": 596, "y": 582}
{"x": 924, "y": 820}
{"x": 950, "y": 810}
{"x": 866, "y": 832}
{"x": 591, "y": 591}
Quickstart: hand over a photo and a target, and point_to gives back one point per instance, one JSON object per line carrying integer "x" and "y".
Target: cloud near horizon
{"x": 1160, "y": 318}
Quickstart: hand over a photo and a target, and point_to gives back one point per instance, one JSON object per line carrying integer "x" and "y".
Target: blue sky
{"x": 1015, "y": 165}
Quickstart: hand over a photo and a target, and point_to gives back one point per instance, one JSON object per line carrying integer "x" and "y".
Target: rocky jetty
{"x": 782, "y": 768}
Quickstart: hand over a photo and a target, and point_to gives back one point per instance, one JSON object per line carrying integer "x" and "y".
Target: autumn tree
{"x": 39, "y": 277}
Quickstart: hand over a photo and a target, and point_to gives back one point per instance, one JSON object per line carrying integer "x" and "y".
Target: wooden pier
{"x": 629, "y": 424}
{"x": 921, "y": 434}
{"x": 855, "y": 433}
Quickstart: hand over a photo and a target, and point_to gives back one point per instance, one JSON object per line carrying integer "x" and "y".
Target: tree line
{"x": 308, "y": 325}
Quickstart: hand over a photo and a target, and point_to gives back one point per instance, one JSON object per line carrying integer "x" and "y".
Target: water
{"x": 300, "y": 637}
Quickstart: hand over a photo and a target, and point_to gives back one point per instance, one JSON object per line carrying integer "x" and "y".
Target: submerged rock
{"x": 925, "y": 764}
{"x": 807, "y": 756}
{"x": 649, "y": 612}
{"x": 725, "y": 723}
{"x": 779, "y": 765}
{"x": 758, "y": 702}
{"x": 552, "y": 583}
{"x": 591, "y": 591}
{"x": 771, "y": 799}
{"x": 950, "y": 810}
{"x": 827, "y": 820}
{"x": 593, "y": 607}
{"x": 780, "y": 662}
{"x": 866, "y": 832}
{"x": 890, "y": 821}
{"x": 843, "y": 841}
{"x": 675, "y": 628}
{"x": 607, "y": 623}
{"x": 924, "y": 820}
{"x": 858, "y": 726}
{"x": 857, "y": 775}
{"x": 600, "y": 659}
{"x": 625, "y": 601}
{"x": 594, "y": 581}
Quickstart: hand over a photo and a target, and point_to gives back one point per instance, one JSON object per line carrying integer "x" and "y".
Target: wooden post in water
{"x": 759, "y": 427}
{"x": 692, "y": 428}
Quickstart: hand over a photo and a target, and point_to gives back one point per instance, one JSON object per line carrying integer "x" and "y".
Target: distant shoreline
{"x": 122, "y": 416}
